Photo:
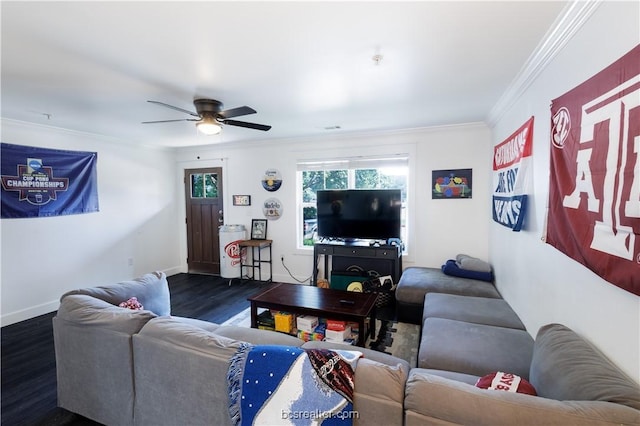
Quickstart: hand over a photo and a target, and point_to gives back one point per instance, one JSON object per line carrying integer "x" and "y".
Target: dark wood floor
{"x": 28, "y": 358}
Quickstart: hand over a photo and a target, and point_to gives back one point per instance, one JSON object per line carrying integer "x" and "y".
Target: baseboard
{"x": 45, "y": 308}
{"x": 29, "y": 313}
{"x": 173, "y": 271}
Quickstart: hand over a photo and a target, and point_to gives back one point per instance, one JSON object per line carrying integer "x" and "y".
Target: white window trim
{"x": 352, "y": 163}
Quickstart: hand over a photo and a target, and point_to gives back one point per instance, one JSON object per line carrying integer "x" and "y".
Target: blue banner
{"x": 40, "y": 182}
{"x": 512, "y": 169}
{"x": 509, "y": 211}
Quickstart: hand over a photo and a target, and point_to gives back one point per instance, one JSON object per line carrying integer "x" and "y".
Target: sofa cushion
{"x": 151, "y": 290}
{"x": 566, "y": 367}
{"x": 415, "y": 282}
{"x": 380, "y": 380}
{"x": 478, "y": 310}
{"x": 256, "y": 336}
{"x": 87, "y": 311}
{"x": 196, "y": 335}
{"x": 474, "y": 348}
{"x": 469, "y": 379}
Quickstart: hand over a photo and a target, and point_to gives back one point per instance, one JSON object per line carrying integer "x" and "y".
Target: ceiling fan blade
{"x": 247, "y": 125}
{"x": 174, "y": 107}
{"x": 170, "y": 121}
{"x": 236, "y": 112}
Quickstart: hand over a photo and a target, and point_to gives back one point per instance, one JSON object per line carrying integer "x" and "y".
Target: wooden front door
{"x": 203, "y": 194}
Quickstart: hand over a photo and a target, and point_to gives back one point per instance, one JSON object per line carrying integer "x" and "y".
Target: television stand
{"x": 386, "y": 257}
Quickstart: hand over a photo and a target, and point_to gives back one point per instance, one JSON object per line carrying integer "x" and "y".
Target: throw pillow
{"x": 452, "y": 268}
{"x": 506, "y": 382}
{"x": 132, "y": 303}
{"x": 472, "y": 263}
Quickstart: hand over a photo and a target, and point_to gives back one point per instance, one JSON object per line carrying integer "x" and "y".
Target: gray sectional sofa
{"x": 120, "y": 367}
{"x": 469, "y": 331}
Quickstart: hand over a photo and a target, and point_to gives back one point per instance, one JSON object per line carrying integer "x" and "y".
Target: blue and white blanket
{"x": 286, "y": 385}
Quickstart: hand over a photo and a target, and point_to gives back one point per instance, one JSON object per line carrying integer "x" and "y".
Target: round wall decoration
{"x": 272, "y": 209}
{"x": 272, "y": 180}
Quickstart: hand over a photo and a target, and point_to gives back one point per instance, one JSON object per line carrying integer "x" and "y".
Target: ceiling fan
{"x": 211, "y": 116}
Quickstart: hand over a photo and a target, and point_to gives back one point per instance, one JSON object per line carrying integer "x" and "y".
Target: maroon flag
{"x": 594, "y": 188}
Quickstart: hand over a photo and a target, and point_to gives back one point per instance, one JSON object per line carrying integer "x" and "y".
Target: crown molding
{"x": 40, "y": 127}
{"x": 570, "y": 20}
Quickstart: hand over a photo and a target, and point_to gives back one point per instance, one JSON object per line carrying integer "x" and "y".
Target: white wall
{"x": 542, "y": 284}
{"x": 142, "y": 209}
{"x": 439, "y": 229}
{"x": 44, "y": 257}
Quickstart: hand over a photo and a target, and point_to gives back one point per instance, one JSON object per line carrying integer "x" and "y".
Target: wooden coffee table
{"x": 321, "y": 302}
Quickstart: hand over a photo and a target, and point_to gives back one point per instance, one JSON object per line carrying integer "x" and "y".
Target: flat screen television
{"x": 353, "y": 214}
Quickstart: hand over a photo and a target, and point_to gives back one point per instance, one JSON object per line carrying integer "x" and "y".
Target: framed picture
{"x": 242, "y": 200}
{"x": 259, "y": 229}
{"x": 448, "y": 184}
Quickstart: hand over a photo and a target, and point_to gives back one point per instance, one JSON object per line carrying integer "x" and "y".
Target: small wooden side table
{"x": 256, "y": 259}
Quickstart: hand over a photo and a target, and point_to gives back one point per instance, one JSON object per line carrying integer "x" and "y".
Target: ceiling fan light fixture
{"x": 211, "y": 116}
{"x": 209, "y": 126}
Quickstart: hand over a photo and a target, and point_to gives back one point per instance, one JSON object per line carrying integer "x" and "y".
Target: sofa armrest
{"x": 431, "y": 399}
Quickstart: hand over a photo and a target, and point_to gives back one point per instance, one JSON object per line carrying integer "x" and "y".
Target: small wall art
{"x": 272, "y": 209}
{"x": 242, "y": 200}
{"x": 454, "y": 183}
{"x": 271, "y": 180}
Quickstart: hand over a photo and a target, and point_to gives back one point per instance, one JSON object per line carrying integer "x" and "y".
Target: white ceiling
{"x": 304, "y": 66}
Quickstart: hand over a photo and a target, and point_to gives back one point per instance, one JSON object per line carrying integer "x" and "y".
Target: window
{"x": 350, "y": 173}
{"x": 204, "y": 185}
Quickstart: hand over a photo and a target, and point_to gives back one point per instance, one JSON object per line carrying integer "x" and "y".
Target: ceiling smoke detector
{"x": 377, "y": 59}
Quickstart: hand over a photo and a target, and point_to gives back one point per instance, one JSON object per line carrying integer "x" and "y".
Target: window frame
{"x": 351, "y": 164}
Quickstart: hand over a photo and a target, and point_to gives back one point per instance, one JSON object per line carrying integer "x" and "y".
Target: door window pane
{"x": 211, "y": 185}
{"x": 204, "y": 185}
{"x": 197, "y": 186}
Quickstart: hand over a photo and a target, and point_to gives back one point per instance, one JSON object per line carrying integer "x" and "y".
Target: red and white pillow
{"x": 506, "y": 382}
{"x": 132, "y": 303}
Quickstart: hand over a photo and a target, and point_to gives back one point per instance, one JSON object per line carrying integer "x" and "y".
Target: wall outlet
{"x": 130, "y": 261}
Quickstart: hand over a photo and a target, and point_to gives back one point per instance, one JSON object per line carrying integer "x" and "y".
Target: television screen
{"x": 372, "y": 214}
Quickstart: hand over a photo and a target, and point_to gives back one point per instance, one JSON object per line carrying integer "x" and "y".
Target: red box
{"x": 336, "y": 325}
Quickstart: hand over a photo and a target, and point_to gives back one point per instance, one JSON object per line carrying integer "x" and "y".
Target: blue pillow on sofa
{"x": 451, "y": 268}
